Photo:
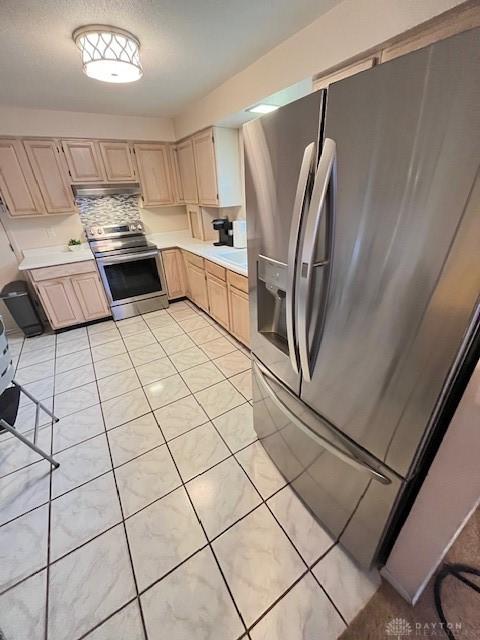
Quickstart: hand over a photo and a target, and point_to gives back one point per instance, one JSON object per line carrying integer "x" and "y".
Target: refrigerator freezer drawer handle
{"x": 323, "y": 193}
{"x": 323, "y": 442}
{"x": 306, "y": 169}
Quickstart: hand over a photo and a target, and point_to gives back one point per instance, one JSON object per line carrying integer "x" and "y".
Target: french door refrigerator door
{"x": 404, "y": 140}
{"x": 345, "y": 488}
{"x": 281, "y": 153}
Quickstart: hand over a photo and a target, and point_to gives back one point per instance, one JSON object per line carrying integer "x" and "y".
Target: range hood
{"x": 126, "y": 189}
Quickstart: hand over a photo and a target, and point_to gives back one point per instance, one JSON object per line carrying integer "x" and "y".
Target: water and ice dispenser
{"x": 271, "y": 301}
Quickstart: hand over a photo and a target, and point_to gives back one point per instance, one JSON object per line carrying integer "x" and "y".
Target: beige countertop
{"x": 51, "y": 256}
{"x": 228, "y": 257}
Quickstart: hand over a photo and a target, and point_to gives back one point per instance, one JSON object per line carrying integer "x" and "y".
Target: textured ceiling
{"x": 188, "y": 48}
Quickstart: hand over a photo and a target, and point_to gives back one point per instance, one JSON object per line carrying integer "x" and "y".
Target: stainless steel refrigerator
{"x": 363, "y": 210}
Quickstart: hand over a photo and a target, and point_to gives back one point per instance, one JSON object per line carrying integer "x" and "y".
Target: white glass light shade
{"x": 109, "y": 54}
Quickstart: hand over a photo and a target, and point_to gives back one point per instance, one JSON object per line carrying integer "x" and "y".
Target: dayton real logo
{"x": 398, "y": 628}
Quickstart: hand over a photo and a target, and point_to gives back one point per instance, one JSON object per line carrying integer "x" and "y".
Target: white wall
{"x": 31, "y": 233}
{"x": 52, "y": 231}
{"x": 8, "y": 272}
{"x": 164, "y": 219}
{"x": 345, "y": 31}
{"x": 448, "y": 496}
{"x": 16, "y": 121}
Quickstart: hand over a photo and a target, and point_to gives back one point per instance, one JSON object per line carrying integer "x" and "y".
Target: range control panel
{"x": 115, "y": 231}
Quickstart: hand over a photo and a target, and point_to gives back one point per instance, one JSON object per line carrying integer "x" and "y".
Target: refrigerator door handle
{"x": 350, "y": 459}
{"x": 323, "y": 193}
{"x": 306, "y": 168}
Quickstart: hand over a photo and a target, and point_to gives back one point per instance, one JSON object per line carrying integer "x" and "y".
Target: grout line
{"x": 123, "y": 518}
{"x": 265, "y": 502}
{"x": 329, "y": 597}
{"x": 207, "y": 421}
{"x": 50, "y": 489}
{"x": 99, "y": 624}
{"x": 206, "y": 537}
{"x": 116, "y": 427}
{"x": 24, "y": 513}
{"x": 15, "y": 440}
{"x": 208, "y": 386}
{"x": 183, "y": 483}
{"x": 24, "y": 579}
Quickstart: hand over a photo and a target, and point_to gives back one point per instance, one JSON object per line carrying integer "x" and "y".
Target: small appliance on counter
{"x": 240, "y": 234}
{"x": 225, "y": 233}
{"x": 130, "y": 267}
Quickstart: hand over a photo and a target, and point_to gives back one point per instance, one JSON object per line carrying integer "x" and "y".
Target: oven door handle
{"x": 128, "y": 257}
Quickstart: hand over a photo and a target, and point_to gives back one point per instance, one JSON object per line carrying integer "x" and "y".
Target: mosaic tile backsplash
{"x": 106, "y": 210}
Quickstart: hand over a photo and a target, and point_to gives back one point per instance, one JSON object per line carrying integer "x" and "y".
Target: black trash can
{"x": 18, "y": 302}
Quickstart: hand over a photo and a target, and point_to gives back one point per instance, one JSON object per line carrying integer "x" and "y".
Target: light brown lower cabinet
{"x": 197, "y": 285}
{"x": 90, "y": 295}
{"x": 174, "y": 269}
{"x": 222, "y": 293}
{"x": 218, "y": 300}
{"x": 239, "y": 307}
{"x": 60, "y": 302}
{"x": 70, "y": 298}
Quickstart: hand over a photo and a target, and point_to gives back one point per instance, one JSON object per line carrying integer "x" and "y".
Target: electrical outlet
{"x": 51, "y": 233}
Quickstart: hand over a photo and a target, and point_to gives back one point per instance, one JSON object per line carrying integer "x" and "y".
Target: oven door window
{"x": 132, "y": 279}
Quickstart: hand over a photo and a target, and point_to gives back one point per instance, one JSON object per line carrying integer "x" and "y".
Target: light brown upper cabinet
{"x": 209, "y": 168}
{"x": 205, "y": 166}
{"x": 154, "y": 170}
{"x": 176, "y": 180}
{"x": 217, "y": 165}
{"x": 18, "y": 187}
{"x": 118, "y": 161}
{"x": 84, "y": 161}
{"x": 50, "y": 171}
{"x": 461, "y": 18}
{"x": 323, "y": 81}
{"x": 186, "y": 170}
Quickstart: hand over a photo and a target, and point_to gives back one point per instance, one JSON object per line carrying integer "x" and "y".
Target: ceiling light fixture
{"x": 109, "y": 54}
{"x": 263, "y": 108}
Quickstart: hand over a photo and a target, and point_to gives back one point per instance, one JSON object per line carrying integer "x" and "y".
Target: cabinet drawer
{"x": 193, "y": 259}
{"x": 238, "y": 281}
{"x": 216, "y": 270}
{"x": 62, "y": 270}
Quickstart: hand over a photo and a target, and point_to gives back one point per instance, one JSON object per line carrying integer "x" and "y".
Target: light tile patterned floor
{"x": 166, "y": 518}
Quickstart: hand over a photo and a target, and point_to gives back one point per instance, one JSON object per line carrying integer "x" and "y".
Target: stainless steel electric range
{"x": 130, "y": 267}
